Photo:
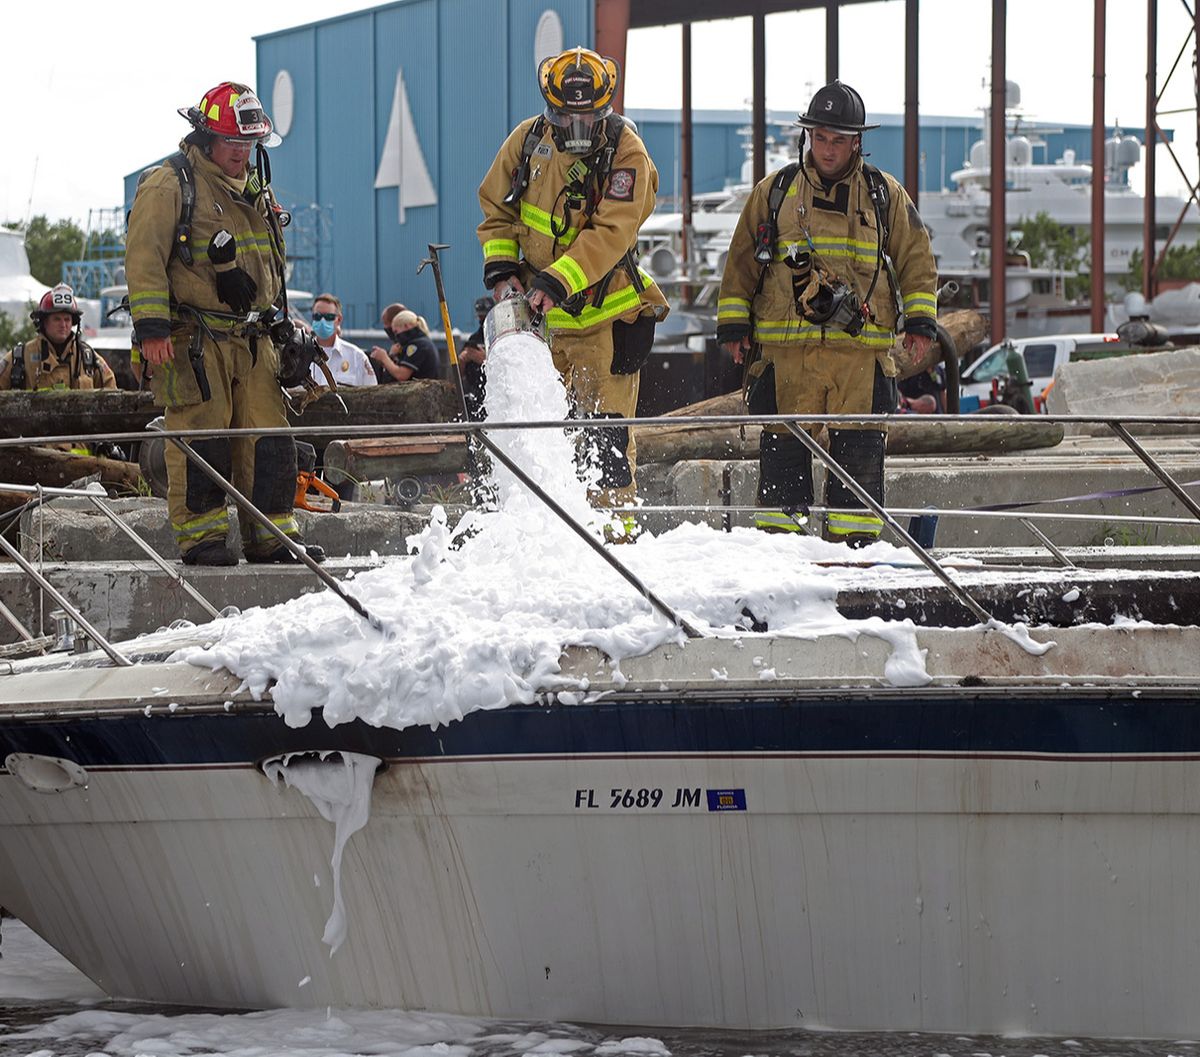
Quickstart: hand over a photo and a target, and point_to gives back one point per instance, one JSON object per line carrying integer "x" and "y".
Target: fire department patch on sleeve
{"x": 620, "y": 184}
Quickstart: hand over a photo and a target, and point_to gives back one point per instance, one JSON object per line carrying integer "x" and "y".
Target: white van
{"x": 1043, "y": 356}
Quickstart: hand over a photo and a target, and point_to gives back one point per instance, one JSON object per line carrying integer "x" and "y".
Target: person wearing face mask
{"x": 347, "y": 362}
{"x": 205, "y": 263}
{"x": 562, "y": 204}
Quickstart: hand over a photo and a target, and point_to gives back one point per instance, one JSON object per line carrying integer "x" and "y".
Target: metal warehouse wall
{"x": 469, "y": 71}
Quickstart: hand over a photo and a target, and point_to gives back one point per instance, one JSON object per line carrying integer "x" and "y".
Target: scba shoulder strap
{"x": 181, "y": 245}
{"x": 615, "y": 125}
{"x": 881, "y": 198}
{"x": 181, "y": 242}
{"x": 17, "y": 376}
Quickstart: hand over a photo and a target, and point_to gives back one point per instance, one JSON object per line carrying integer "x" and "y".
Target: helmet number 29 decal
{"x": 62, "y": 297}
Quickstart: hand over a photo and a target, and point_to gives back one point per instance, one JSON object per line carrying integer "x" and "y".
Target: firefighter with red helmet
{"x": 205, "y": 263}
{"x": 562, "y": 204}
{"x": 58, "y": 357}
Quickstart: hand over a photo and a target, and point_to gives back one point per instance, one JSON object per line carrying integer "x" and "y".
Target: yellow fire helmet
{"x": 578, "y": 86}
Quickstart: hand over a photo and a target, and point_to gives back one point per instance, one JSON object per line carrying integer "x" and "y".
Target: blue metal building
{"x": 391, "y": 116}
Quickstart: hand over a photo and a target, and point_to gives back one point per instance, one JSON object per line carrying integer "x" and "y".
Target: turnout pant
{"x": 244, "y": 394}
{"x": 585, "y": 362}
{"x": 815, "y": 379}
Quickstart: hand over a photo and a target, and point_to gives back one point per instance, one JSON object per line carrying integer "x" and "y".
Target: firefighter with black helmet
{"x": 58, "y": 357}
{"x": 829, "y": 261}
{"x": 205, "y": 263}
{"x": 562, "y": 204}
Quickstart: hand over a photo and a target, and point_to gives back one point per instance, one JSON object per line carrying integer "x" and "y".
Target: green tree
{"x": 1062, "y": 246}
{"x": 16, "y": 330}
{"x": 1179, "y": 262}
{"x": 48, "y": 244}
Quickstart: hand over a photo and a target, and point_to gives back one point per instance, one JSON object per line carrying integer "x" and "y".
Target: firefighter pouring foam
{"x": 562, "y": 204}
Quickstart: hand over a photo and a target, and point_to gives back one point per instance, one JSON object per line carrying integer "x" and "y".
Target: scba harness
{"x": 274, "y": 323}
{"x": 259, "y": 181}
{"x": 767, "y": 244}
{"x": 85, "y": 360}
{"x": 583, "y": 190}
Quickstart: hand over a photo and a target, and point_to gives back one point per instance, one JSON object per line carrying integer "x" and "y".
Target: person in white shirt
{"x": 347, "y": 362}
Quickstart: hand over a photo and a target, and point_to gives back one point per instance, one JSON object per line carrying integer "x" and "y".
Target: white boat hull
{"x": 858, "y": 879}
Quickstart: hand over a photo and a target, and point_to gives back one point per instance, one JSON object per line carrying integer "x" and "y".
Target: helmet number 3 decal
{"x": 828, "y": 104}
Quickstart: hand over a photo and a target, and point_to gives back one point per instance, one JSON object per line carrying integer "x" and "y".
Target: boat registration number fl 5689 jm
{"x": 620, "y": 797}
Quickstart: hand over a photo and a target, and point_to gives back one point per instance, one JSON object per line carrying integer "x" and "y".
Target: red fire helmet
{"x": 232, "y": 111}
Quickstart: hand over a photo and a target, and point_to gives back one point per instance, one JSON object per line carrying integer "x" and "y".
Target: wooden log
{"x": 967, "y": 327}
{"x": 57, "y": 469}
{"x": 407, "y": 456}
{"x": 87, "y": 413}
{"x": 914, "y": 435}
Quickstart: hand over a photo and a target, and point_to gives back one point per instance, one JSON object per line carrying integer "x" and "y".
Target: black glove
{"x": 222, "y": 248}
{"x": 234, "y": 287}
{"x": 547, "y": 284}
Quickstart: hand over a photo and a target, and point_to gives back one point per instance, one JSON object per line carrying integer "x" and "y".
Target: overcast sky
{"x": 91, "y": 92}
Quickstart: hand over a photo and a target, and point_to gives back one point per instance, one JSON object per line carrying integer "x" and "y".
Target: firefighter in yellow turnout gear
{"x": 562, "y": 204}
{"x": 199, "y": 288}
{"x": 828, "y": 262}
{"x": 58, "y": 357}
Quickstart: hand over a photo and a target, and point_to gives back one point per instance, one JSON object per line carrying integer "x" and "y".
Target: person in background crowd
{"x": 347, "y": 362}
{"x": 412, "y": 355}
{"x": 58, "y": 357}
{"x": 471, "y": 357}
{"x": 923, "y": 393}
{"x": 390, "y": 312}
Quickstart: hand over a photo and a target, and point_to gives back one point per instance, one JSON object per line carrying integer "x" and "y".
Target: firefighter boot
{"x": 860, "y": 453}
{"x": 785, "y": 482}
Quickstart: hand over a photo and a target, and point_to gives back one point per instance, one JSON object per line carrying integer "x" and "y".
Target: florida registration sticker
{"x": 726, "y": 799}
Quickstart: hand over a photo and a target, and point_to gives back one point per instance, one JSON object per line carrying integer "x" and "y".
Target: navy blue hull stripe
{"x": 1067, "y": 727}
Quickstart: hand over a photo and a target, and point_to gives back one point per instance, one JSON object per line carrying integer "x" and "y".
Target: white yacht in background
{"x": 17, "y": 286}
{"x": 959, "y": 219}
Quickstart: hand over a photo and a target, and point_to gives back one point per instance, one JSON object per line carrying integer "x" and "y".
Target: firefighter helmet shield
{"x": 60, "y": 298}
{"x": 233, "y": 111}
{"x": 578, "y": 86}
{"x": 838, "y": 107}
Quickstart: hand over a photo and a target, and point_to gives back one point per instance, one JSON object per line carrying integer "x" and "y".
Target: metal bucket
{"x": 511, "y": 315}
